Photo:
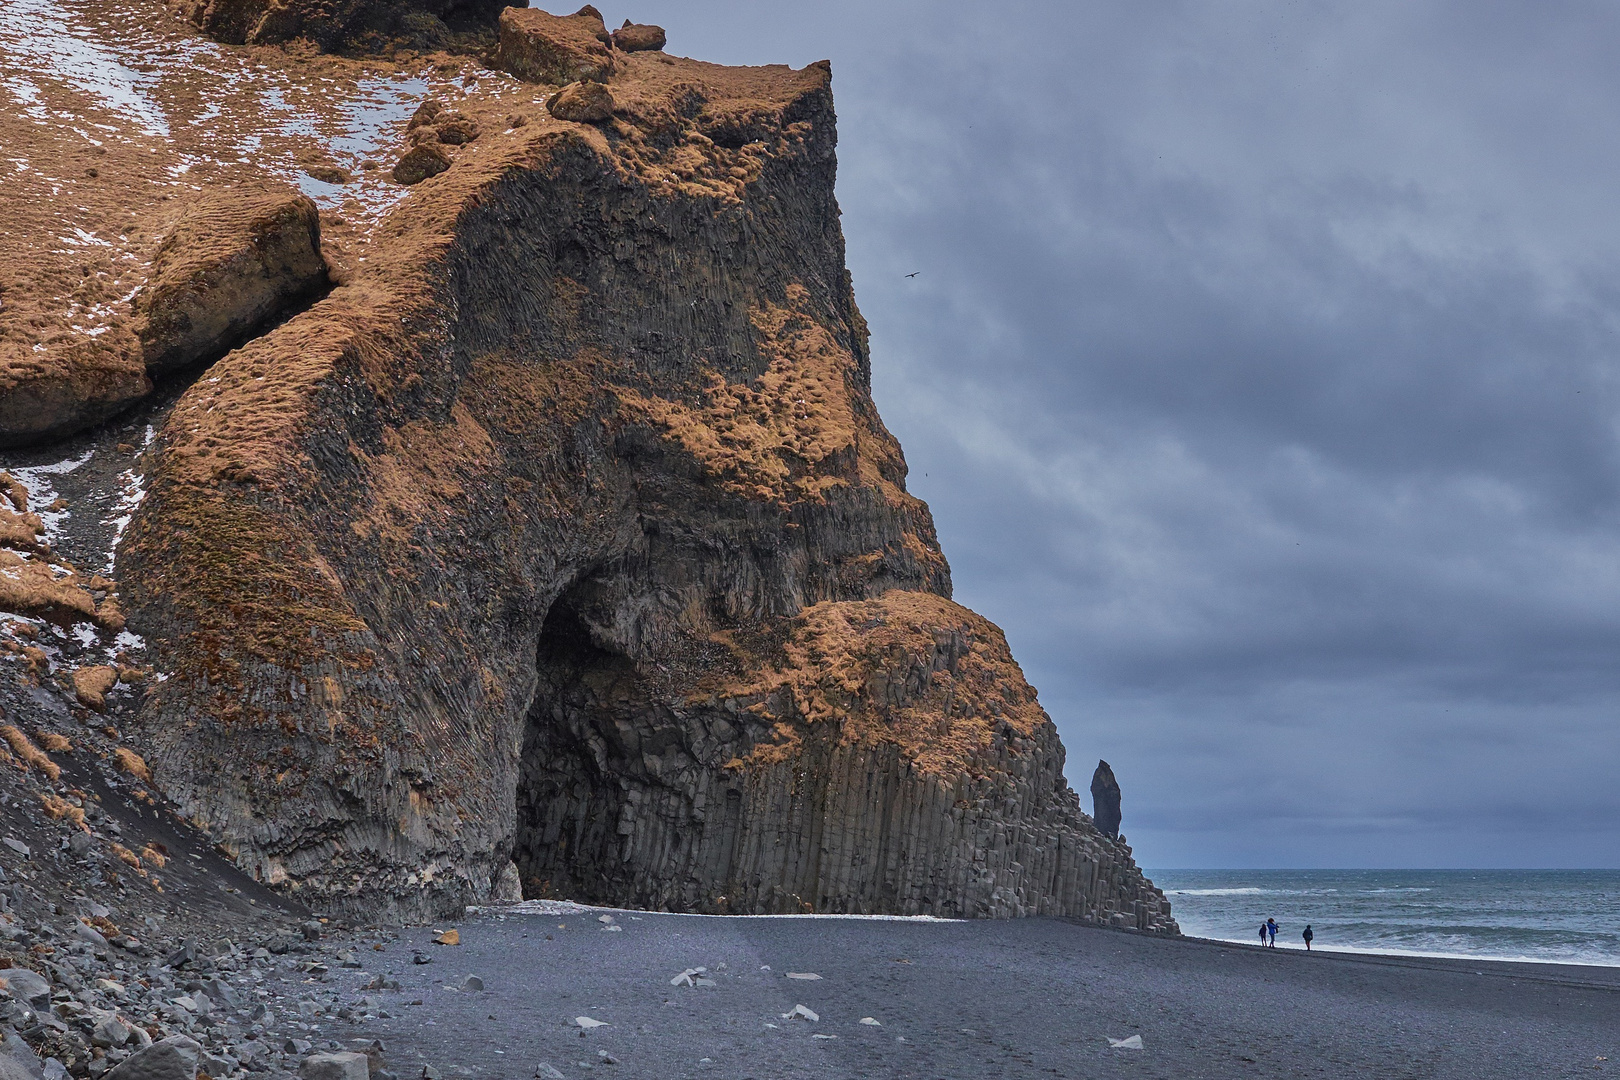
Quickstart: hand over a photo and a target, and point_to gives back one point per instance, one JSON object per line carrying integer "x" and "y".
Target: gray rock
{"x": 509, "y": 886}
{"x": 342, "y": 1065}
{"x": 222, "y": 992}
{"x": 312, "y": 930}
{"x": 108, "y": 1031}
{"x": 174, "y": 1058}
{"x": 1105, "y": 800}
{"x": 472, "y": 982}
{"x": 85, "y": 932}
{"x": 27, "y": 986}
{"x": 216, "y": 1064}
{"x": 17, "y": 1060}
{"x": 54, "y": 1070}
{"x": 81, "y": 844}
{"x": 16, "y": 845}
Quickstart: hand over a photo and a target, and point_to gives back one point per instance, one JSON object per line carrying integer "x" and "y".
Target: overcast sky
{"x": 1261, "y": 372}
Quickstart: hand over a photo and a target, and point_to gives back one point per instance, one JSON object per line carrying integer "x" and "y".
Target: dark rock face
{"x": 567, "y": 535}
{"x": 1105, "y": 800}
{"x": 232, "y": 264}
{"x": 631, "y": 794}
{"x": 353, "y": 26}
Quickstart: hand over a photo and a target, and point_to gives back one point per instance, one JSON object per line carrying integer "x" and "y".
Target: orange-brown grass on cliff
{"x": 14, "y": 491}
{"x": 58, "y": 809}
{"x": 908, "y": 668}
{"x": 30, "y": 754}
{"x": 56, "y": 744}
{"x": 30, "y": 586}
{"x": 154, "y": 856}
{"x": 130, "y": 763}
{"x": 789, "y": 434}
{"x": 123, "y": 854}
{"x": 421, "y": 473}
{"x": 702, "y": 130}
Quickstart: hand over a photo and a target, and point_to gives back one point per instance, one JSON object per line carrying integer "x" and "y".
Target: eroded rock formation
{"x": 1105, "y": 800}
{"x": 233, "y": 263}
{"x": 345, "y": 25}
{"x": 227, "y": 265}
{"x": 560, "y": 547}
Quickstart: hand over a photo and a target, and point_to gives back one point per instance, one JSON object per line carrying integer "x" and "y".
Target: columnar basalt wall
{"x": 566, "y": 533}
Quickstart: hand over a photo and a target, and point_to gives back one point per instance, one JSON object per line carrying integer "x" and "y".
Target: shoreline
{"x": 574, "y": 907}
{"x": 1403, "y": 954}
{"x": 953, "y": 1000}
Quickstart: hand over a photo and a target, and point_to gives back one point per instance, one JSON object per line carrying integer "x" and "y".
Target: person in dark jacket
{"x": 1309, "y": 937}
{"x": 1263, "y": 928}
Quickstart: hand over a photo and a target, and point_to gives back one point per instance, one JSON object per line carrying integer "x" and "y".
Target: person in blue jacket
{"x": 1271, "y": 932}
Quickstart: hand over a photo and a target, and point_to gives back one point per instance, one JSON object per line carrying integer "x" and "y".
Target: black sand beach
{"x": 1018, "y": 998}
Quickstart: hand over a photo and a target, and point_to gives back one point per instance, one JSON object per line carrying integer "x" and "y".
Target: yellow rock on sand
{"x": 449, "y": 937}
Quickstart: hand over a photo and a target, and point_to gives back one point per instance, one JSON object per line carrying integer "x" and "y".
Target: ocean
{"x": 1555, "y": 916}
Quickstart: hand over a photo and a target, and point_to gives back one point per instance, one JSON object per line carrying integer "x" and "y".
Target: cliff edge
{"x": 560, "y": 545}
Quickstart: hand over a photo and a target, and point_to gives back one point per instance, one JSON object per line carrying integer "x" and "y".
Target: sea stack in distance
{"x": 1105, "y": 800}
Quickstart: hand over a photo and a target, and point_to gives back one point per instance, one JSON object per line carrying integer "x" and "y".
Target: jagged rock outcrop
{"x": 66, "y": 383}
{"x": 541, "y": 47}
{"x": 232, "y": 264}
{"x": 357, "y": 26}
{"x": 229, "y": 264}
{"x": 1105, "y": 800}
{"x": 639, "y": 37}
{"x": 565, "y": 533}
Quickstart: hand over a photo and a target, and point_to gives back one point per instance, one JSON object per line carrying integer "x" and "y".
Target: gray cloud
{"x": 1261, "y": 375}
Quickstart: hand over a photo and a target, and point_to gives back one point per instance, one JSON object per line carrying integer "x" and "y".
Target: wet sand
{"x": 1019, "y": 998}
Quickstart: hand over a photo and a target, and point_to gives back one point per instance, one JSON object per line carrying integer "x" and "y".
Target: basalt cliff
{"x": 492, "y": 500}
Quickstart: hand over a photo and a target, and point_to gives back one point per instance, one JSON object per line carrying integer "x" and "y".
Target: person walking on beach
{"x": 1308, "y": 936}
{"x": 1263, "y": 928}
{"x": 1271, "y": 932}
